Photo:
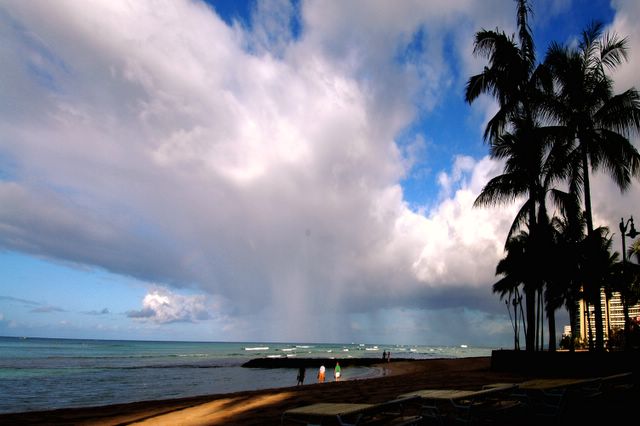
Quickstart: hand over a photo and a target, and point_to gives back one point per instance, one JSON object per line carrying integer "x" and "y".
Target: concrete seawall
{"x": 564, "y": 363}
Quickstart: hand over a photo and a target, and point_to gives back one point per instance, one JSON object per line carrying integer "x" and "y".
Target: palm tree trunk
{"x": 532, "y": 285}
{"x": 607, "y": 301}
{"x": 551, "y": 315}
{"x": 627, "y": 321}
{"x": 524, "y": 324}
{"x": 590, "y": 333}
{"x": 572, "y": 324}
{"x": 597, "y": 304}
{"x": 530, "y": 296}
{"x": 537, "y": 321}
{"x": 540, "y": 335}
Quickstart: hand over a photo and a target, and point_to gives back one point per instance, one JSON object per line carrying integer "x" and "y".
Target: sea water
{"x": 43, "y": 374}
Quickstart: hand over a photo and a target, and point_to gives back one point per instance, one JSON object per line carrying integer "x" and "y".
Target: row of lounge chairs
{"x": 539, "y": 401}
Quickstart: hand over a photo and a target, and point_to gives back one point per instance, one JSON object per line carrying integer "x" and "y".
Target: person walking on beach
{"x": 301, "y": 373}
{"x": 321, "y": 374}
{"x": 337, "y": 372}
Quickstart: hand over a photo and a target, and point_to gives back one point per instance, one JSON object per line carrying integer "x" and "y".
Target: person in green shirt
{"x": 337, "y": 372}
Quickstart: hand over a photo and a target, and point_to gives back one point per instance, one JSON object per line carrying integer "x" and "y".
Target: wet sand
{"x": 265, "y": 407}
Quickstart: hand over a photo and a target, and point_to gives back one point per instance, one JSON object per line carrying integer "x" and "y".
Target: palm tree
{"x": 596, "y": 122}
{"x": 511, "y": 78}
{"x": 566, "y": 282}
{"x": 512, "y": 268}
{"x": 597, "y": 265}
{"x": 553, "y": 286}
{"x": 520, "y": 178}
{"x": 634, "y": 250}
{"x": 625, "y": 279}
{"x": 508, "y": 77}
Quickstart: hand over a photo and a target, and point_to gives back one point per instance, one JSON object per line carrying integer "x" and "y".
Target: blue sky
{"x": 272, "y": 171}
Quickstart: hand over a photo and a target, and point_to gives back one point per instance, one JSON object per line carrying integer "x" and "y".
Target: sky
{"x": 267, "y": 171}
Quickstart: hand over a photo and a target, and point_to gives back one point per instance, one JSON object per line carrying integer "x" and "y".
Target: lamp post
{"x": 515, "y": 301}
{"x": 631, "y": 234}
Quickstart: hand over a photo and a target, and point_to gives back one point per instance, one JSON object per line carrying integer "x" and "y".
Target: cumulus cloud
{"x": 252, "y": 165}
{"x": 163, "y": 306}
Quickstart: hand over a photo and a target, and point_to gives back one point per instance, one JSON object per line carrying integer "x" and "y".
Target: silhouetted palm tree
{"x": 634, "y": 251}
{"x": 522, "y": 178}
{"x": 511, "y": 77}
{"x": 566, "y": 280}
{"x": 596, "y": 122}
{"x": 625, "y": 279}
{"x": 596, "y": 266}
{"x": 513, "y": 270}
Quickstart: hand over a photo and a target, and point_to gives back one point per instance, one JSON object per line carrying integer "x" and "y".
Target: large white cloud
{"x": 156, "y": 141}
{"x": 610, "y": 204}
{"x": 162, "y": 306}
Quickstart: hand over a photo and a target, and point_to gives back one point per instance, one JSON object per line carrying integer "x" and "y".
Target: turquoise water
{"x": 42, "y": 374}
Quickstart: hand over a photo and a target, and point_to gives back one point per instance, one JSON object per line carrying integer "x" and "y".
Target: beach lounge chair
{"x": 393, "y": 413}
{"x": 547, "y": 399}
{"x": 431, "y": 415}
{"x": 493, "y": 404}
{"x": 351, "y": 414}
{"x": 620, "y": 381}
{"x": 445, "y": 406}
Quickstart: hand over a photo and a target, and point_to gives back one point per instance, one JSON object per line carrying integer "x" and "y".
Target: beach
{"x": 265, "y": 407}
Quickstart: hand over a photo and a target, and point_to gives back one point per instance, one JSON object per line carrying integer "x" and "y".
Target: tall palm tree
{"x": 520, "y": 179}
{"x": 510, "y": 78}
{"x": 597, "y": 123}
{"x": 566, "y": 282}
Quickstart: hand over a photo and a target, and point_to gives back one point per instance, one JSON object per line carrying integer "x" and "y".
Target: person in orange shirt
{"x": 321, "y": 374}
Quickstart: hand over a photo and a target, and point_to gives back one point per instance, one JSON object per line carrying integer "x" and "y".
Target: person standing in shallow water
{"x": 301, "y": 374}
{"x": 337, "y": 371}
{"x": 321, "y": 374}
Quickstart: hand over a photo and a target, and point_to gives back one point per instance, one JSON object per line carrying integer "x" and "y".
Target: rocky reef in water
{"x": 292, "y": 362}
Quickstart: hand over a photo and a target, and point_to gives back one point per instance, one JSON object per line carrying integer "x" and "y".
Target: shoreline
{"x": 265, "y": 407}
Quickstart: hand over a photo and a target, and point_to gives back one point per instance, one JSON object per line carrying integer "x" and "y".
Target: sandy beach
{"x": 265, "y": 407}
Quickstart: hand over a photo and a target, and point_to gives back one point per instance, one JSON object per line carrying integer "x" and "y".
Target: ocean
{"x": 43, "y": 374}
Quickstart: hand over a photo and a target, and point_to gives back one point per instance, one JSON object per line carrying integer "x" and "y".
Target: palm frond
{"x": 617, "y": 155}
{"x": 524, "y": 33}
{"x": 500, "y": 189}
{"x": 613, "y": 50}
{"x": 621, "y": 113}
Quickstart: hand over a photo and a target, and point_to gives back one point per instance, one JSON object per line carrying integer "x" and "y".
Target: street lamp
{"x": 631, "y": 234}
{"x": 517, "y": 300}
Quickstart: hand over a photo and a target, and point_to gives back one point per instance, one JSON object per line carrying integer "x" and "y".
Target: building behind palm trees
{"x": 612, "y": 317}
